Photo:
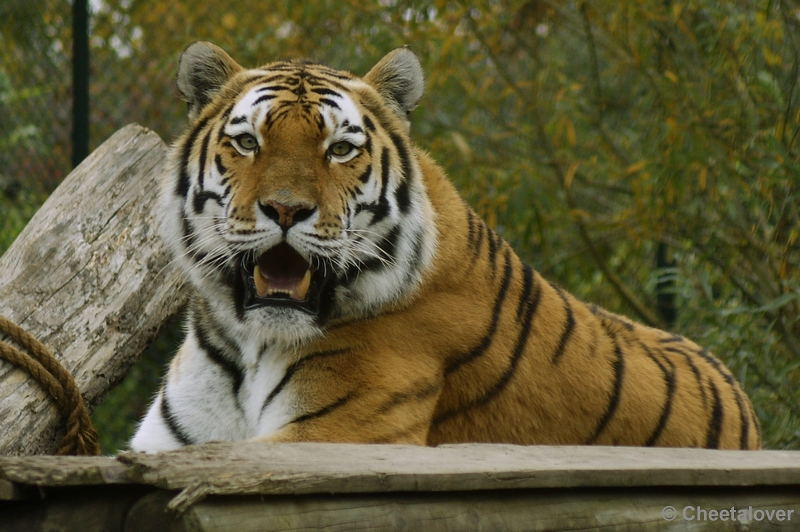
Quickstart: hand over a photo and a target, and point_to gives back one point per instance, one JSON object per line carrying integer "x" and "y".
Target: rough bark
{"x": 89, "y": 278}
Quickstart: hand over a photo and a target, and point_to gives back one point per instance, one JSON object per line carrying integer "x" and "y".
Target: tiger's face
{"x": 294, "y": 199}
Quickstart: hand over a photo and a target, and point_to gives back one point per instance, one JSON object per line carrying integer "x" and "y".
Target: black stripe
{"x": 380, "y": 210}
{"x": 531, "y": 304}
{"x": 220, "y": 167}
{"x": 238, "y": 120}
{"x": 320, "y": 119}
{"x": 264, "y": 98}
{"x": 328, "y": 101}
{"x": 324, "y": 410}
{"x": 618, "y": 367}
{"x": 737, "y": 394}
{"x": 669, "y": 382}
{"x": 387, "y": 249}
{"x": 569, "y": 326}
{"x": 484, "y": 343}
{"x": 274, "y": 88}
{"x": 715, "y": 423}
{"x": 402, "y": 153}
{"x": 420, "y": 392}
{"x": 695, "y": 372}
{"x": 200, "y": 199}
{"x": 385, "y": 169}
{"x": 201, "y": 170}
{"x": 291, "y": 370}
{"x": 325, "y": 91}
{"x": 368, "y": 123}
{"x": 744, "y": 424}
{"x": 172, "y": 423}
{"x": 216, "y": 355}
{"x": 493, "y": 246}
{"x": 225, "y": 114}
{"x": 403, "y": 197}
{"x": 182, "y": 186}
{"x": 527, "y": 283}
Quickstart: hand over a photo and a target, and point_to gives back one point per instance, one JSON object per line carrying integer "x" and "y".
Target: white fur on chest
{"x": 264, "y": 370}
{"x": 203, "y": 401}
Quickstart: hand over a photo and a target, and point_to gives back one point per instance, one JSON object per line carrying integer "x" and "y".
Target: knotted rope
{"x": 80, "y": 438}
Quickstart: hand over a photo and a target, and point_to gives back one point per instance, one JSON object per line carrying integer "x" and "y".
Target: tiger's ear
{"x": 202, "y": 70}
{"x": 399, "y": 79}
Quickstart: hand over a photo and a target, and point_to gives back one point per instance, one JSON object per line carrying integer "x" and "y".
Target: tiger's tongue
{"x": 282, "y": 271}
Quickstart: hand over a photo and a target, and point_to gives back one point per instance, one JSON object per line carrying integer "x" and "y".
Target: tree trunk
{"x": 89, "y": 277}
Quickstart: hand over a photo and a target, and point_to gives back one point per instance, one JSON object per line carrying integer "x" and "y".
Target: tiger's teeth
{"x": 261, "y": 284}
{"x": 301, "y": 288}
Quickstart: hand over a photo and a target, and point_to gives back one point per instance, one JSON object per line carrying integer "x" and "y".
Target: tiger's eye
{"x": 340, "y": 148}
{"x": 247, "y": 141}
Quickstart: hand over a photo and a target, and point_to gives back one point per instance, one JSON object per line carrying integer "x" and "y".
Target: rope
{"x": 80, "y": 438}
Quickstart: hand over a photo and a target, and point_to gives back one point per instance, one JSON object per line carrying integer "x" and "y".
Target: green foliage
{"x": 590, "y": 135}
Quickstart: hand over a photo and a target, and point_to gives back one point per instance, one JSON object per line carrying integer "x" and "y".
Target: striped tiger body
{"x": 344, "y": 292}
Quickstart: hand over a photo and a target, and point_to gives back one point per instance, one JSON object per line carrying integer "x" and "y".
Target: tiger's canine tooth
{"x": 301, "y": 288}
{"x": 261, "y": 284}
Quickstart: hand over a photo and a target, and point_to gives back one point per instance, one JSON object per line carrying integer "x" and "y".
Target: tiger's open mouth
{"x": 282, "y": 277}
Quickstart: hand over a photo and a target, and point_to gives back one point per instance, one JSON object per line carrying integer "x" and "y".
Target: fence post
{"x": 80, "y": 81}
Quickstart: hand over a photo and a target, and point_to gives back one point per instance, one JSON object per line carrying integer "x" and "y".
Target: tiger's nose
{"x": 286, "y": 215}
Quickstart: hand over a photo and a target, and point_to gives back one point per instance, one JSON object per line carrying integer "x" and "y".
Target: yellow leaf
{"x": 701, "y": 178}
{"x": 572, "y": 139}
{"x": 569, "y": 175}
{"x": 671, "y": 76}
{"x": 635, "y": 167}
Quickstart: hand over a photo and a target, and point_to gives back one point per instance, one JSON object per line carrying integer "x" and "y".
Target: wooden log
{"x": 89, "y": 278}
{"x": 249, "y": 468}
{"x": 300, "y": 486}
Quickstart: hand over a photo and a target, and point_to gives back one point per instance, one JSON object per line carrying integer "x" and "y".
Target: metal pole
{"x": 80, "y": 81}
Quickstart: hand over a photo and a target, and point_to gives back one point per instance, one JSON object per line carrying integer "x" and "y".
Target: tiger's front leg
{"x": 357, "y": 396}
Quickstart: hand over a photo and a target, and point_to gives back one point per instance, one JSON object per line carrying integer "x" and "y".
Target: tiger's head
{"x": 295, "y": 199}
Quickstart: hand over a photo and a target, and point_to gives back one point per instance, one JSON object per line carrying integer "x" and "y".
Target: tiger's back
{"x": 345, "y": 292}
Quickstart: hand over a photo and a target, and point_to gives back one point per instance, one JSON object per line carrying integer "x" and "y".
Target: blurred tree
{"x": 644, "y": 154}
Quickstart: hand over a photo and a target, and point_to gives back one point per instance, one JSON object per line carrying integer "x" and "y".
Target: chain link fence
{"x": 35, "y": 97}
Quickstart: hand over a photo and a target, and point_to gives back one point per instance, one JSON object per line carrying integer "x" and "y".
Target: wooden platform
{"x": 263, "y": 487}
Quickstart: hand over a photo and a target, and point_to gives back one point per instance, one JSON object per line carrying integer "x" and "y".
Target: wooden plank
{"x": 88, "y": 277}
{"x": 302, "y": 468}
{"x": 610, "y": 510}
{"x": 295, "y": 468}
{"x": 58, "y": 471}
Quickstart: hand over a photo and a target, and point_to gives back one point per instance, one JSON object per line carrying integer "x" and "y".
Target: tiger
{"x": 343, "y": 291}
